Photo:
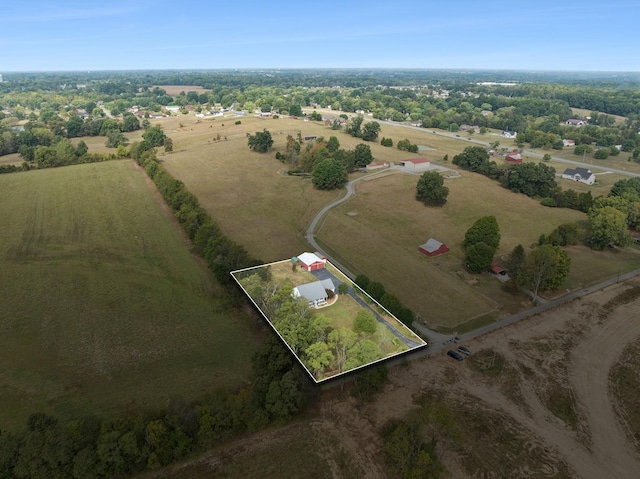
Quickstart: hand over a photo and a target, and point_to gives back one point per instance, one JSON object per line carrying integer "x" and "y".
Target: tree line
{"x": 120, "y": 446}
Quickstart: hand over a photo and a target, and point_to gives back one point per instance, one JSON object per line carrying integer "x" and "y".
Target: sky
{"x": 565, "y": 35}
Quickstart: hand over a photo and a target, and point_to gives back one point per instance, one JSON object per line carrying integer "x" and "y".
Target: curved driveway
{"x": 441, "y": 341}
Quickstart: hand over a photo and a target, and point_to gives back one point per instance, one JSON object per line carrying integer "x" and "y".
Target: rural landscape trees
{"x": 55, "y": 120}
{"x": 431, "y": 190}
{"x": 261, "y": 141}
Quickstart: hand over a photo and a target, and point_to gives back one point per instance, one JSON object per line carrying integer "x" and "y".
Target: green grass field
{"x": 103, "y": 307}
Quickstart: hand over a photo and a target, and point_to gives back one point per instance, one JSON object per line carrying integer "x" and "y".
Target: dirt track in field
{"x": 568, "y": 351}
{"x": 573, "y": 346}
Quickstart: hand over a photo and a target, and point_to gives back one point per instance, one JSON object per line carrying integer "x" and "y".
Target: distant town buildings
{"x": 1, "y": 80}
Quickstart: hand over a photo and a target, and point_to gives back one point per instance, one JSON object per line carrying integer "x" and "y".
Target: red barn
{"x": 311, "y": 261}
{"x": 433, "y": 247}
{"x": 514, "y": 157}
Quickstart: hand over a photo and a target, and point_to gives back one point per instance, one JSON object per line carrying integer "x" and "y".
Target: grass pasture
{"x": 103, "y": 307}
{"x": 378, "y": 231}
{"x": 268, "y": 212}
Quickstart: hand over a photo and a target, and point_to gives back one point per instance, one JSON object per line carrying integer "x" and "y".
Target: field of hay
{"x": 378, "y": 231}
{"x": 103, "y": 308}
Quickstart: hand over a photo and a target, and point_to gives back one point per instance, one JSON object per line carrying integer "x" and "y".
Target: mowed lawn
{"x": 103, "y": 308}
{"x": 379, "y": 230}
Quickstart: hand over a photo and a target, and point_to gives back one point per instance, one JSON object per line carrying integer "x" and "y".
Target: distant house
{"x": 486, "y": 113}
{"x": 566, "y": 142}
{"x": 574, "y": 122}
{"x": 315, "y": 293}
{"x": 579, "y": 174}
{"x": 508, "y": 134}
{"x": 416, "y": 164}
{"x": 513, "y": 157}
{"x": 377, "y": 165}
{"x": 311, "y": 261}
{"x": 433, "y": 247}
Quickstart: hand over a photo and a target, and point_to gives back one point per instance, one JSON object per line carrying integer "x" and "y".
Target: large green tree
{"x": 329, "y": 174}
{"x": 370, "y": 131}
{"x": 608, "y": 226}
{"x": 154, "y": 135}
{"x": 261, "y": 141}
{"x": 545, "y": 268}
{"x": 431, "y": 190}
{"x": 479, "y": 257}
{"x": 362, "y": 155}
{"x": 484, "y": 230}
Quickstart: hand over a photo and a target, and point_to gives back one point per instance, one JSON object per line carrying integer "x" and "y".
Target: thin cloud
{"x": 68, "y": 14}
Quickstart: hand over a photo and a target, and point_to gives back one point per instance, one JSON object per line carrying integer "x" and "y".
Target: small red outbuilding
{"x": 433, "y": 247}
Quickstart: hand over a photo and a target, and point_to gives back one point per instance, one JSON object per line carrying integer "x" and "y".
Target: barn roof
{"x": 417, "y": 161}
{"x": 431, "y": 245}
{"x": 309, "y": 258}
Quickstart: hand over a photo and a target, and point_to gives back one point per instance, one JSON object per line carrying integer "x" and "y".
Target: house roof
{"x": 514, "y": 156}
{"x": 417, "y": 161}
{"x": 312, "y": 291}
{"x": 431, "y": 245}
{"x": 309, "y": 258}
{"x": 497, "y": 268}
{"x": 583, "y": 172}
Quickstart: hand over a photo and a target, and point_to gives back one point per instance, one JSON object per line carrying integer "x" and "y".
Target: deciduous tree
{"x": 261, "y": 141}
{"x": 431, "y": 190}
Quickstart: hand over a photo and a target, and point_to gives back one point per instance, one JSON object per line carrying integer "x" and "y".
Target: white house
{"x": 509, "y": 134}
{"x": 315, "y": 293}
{"x": 566, "y": 142}
{"x": 574, "y": 122}
{"x": 579, "y": 174}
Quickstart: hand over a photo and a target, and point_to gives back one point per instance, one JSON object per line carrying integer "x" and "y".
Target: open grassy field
{"x": 103, "y": 308}
{"x": 268, "y": 212}
{"x": 378, "y": 232}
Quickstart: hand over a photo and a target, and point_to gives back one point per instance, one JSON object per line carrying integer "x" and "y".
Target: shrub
{"x": 550, "y": 202}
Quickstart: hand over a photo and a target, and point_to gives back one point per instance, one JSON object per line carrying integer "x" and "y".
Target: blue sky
{"x": 45, "y": 35}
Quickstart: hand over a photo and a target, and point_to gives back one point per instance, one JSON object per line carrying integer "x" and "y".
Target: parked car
{"x": 454, "y": 355}
{"x": 464, "y": 350}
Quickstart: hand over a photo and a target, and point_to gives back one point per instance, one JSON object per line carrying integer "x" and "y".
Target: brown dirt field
{"x": 510, "y": 421}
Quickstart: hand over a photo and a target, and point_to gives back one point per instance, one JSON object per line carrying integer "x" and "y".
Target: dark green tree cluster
{"x": 406, "y": 145}
{"x": 431, "y": 190}
{"x": 126, "y": 445}
{"x": 571, "y": 199}
{"x": 261, "y": 141}
{"x": 535, "y": 180}
{"x": 320, "y": 347}
{"x": 327, "y": 163}
{"x": 329, "y": 174}
{"x": 545, "y": 267}
{"x": 564, "y": 235}
{"x": 389, "y": 301}
{"x": 480, "y": 243}
{"x": 386, "y": 142}
{"x": 476, "y": 159}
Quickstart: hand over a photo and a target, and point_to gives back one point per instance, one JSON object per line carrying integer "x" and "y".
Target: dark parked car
{"x": 464, "y": 350}
{"x": 455, "y": 355}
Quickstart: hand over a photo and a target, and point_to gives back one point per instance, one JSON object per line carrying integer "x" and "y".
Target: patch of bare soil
{"x": 546, "y": 378}
{"x": 532, "y": 400}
